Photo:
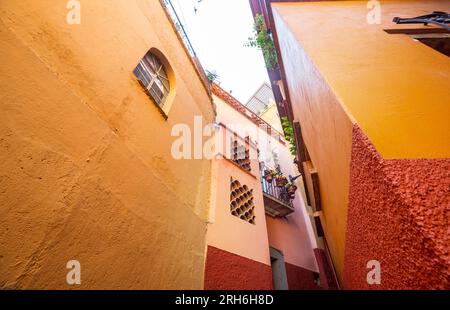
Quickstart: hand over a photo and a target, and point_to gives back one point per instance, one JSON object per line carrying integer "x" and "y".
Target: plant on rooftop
{"x": 262, "y": 40}
{"x": 212, "y": 76}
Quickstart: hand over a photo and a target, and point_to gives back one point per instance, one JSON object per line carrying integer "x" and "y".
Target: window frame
{"x": 157, "y": 78}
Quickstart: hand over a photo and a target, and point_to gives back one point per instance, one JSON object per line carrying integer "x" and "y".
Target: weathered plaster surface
{"x": 86, "y": 171}
{"x": 399, "y": 215}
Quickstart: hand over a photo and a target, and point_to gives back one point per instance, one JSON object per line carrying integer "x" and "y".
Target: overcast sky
{"x": 218, "y": 31}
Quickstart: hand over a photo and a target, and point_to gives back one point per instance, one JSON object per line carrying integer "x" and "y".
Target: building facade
{"x": 263, "y": 104}
{"x": 257, "y": 238}
{"x": 369, "y": 102}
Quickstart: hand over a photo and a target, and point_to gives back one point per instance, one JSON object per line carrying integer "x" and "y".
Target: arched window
{"x": 153, "y": 76}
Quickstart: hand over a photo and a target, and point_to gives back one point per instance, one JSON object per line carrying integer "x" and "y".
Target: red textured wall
{"x": 300, "y": 278}
{"x": 228, "y": 271}
{"x": 399, "y": 215}
{"x": 327, "y": 279}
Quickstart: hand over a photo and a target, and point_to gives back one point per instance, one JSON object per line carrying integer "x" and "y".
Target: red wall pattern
{"x": 300, "y": 278}
{"x": 399, "y": 215}
{"x": 228, "y": 271}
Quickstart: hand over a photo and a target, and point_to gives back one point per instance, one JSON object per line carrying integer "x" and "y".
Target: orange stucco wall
{"x": 329, "y": 148}
{"x": 341, "y": 71}
{"x": 86, "y": 171}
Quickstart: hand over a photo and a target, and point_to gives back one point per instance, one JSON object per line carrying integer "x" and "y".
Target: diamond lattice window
{"x": 242, "y": 201}
{"x": 240, "y": 154}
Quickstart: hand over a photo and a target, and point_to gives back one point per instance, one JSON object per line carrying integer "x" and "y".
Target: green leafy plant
{"x": 262, "y": 40}
{"x": 289, "y": 135}
{"x": 281, "y": 181}
{"x": 212, "y": 76}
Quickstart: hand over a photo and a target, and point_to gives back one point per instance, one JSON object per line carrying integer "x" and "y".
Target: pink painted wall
{"x": 294, "y": 235}
{"x": 228, "y": 232}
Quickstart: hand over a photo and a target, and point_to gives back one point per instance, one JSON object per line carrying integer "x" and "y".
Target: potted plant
{"x": 212, "y": 76}
{"x": 281, "y": 181}
{"x": 291, "y": 188}
{"x": 268, "y": 175}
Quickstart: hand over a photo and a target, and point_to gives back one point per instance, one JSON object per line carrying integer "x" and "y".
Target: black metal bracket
{"x": 436, "y": 18}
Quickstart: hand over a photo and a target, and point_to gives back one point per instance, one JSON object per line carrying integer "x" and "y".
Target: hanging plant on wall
{"x": 262, "y": 40}
{"x": 289, "y": 135}
{"x": 291, "y": 189}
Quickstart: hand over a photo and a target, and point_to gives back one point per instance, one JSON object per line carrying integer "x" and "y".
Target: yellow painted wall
{"x": 395, "y": 88}
{"x": 85, "y": 166}
{"x": 340, "y": 71}
{"x": 270, "y": 115}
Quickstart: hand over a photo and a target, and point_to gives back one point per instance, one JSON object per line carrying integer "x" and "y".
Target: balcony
{"x": 277, "y": 200}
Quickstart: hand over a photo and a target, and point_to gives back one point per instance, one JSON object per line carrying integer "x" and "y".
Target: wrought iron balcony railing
{"x": 277, "y": 200}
